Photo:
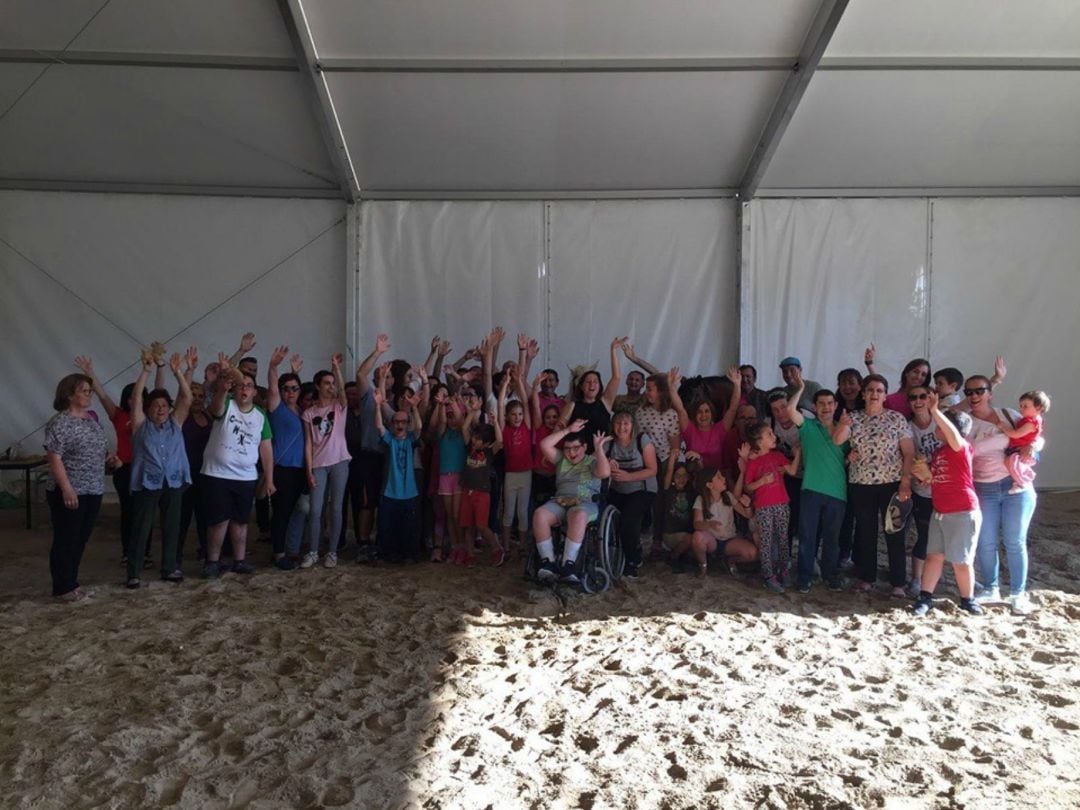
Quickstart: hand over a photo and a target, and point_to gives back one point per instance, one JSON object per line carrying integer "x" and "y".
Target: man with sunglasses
{"x": 283, "y": 397}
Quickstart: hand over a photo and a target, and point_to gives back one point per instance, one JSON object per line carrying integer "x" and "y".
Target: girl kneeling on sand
{"x": 714, "y": 523}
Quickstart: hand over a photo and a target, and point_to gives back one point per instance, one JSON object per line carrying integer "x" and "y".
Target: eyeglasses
{"x": 399, "y": 422}
{"x": 970, "y": 392}
{"x": 290, "y": 388}
{"x": 913, "y": 397}
{"x": 571, "y": 448}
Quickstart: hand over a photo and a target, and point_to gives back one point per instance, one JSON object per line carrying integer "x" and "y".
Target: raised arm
{"x": 273, "y": 395}
{"x": 868, "y": 358}
{"x": 380, "y": 400}
{"x": 735, "y": 378}
{"x": 549, "y": 445}
{"x": 497, "y": 336}
{"x": 191, "y": 359}
{"x": 138, "y": 416}
{"x": 500, "y": 413}
{"x": 440, "y": 357}
{"x": 367, "y": 365}
{"x": 526, "y": 407}
{"x": 792, "y": 467}
{"x": 486, "y": 360}
{"x": 433, "y": 355}
{"x": 226, "y": 378}
{"x": 247, "y": 343}
{"x": 674, "y": 378}
{"x": 611, "y": 390}
{"x": 86, "y": 366}
{"x": 999, "y": 371}
{"x": 645, "y": 365}
{"x": 336, "y": 361}
{"x": 601, "y": 465}
{"x": 183, "y": 399}
{"x": 794, "y": 414}
{"x": 534, "y": 401}
{"x": 948, "y": 429}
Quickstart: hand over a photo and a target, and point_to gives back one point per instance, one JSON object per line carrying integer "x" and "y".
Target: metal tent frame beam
{"x": 157, "y": 60}
{"x": 292, "y": 14}
{"x": 813, "y": 48}
{"x": 197, "y": 190}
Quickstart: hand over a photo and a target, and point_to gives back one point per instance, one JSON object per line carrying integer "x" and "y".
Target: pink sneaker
{"x": 498, "y": 557}
{"x": 468, "y": 560}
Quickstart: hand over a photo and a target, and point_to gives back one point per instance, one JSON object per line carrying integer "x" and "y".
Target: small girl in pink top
{"x": 1033, "y": 405}
{"x": 761, "y": 473}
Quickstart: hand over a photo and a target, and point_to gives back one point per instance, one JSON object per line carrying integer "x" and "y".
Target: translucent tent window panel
{"x": 826, "y": 278}
{"x": 219, "y": 127}
{"x": 660, "y": 271}
{"x": 896, "y": 129}
{"x": 1005, "y": 280}
{"x": 450, "y": 268}
{"x": 523, "y": 29}
{"x": 966, "y": 28}
{"x": 234, "y": 28}
{"x": 130, "y": 269}
{"x": 529, "y": 131}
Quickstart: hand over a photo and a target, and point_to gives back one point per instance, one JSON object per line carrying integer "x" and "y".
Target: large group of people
{"x": 440, "y": 460}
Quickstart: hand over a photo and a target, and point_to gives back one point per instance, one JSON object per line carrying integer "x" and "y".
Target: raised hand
{"x": 577, "y": 425}
{"x": 869, "y": 354}
{"x": 845, "y": 419}
{"x": 674, "y": 378}
{"x": 85, "y": 365}
{"x": 296, "y": 362}
{"x": 379, "y": 397}
{"x": 619, "y": 341}
{"x": 744, "y": 451}
{"x": 444, "y": 348}
{"x": 734, "y": 375}
{"x": 382, "y": 343}
{"x": 174, "y": 363}
{"x": 999, "y": 368}
{"x": 931, "y": 400}
{"x": 532, "y": 350}
{"x": 247, "y": 342}
{"x": 191, "y": 357}
{"x": 146, "y": 357}
{"x": 279, "y": 354}
{"x": 796, "y": 375}
{"x": 435, "y": 343}
{"x": 497, "y": 335}
{"x": 600, "y": 439}
{"x": 522, "y": 341}
{"x": 442, "y": 397}
{"x": 211, "y": 373}
{"x": 382, "y": 373}
{"x": 628, "y": 350}
{"x": 539, "y": 378}
{"x": 336, "y": 359}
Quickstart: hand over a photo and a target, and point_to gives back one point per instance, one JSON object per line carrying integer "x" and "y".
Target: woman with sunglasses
{"x": 283, "y": 397}
{"x": 880, "y": 467}
{"x": 1003, "y": 514}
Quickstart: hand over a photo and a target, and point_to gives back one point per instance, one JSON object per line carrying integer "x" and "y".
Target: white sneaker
{"x": 1021, "y": 604}
{"x": 987, "y": 596}
{"x": 330, "y": 560}
{"x": 310, "y": 559}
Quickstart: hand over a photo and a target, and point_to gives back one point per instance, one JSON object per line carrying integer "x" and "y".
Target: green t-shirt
{"x": 823, "y": 461}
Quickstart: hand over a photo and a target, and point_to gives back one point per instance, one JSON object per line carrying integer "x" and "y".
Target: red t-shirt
{"x": 1030, "y": 438}
{"x": 898, "y": 401}
{"x": 710, "y": 443}
{"x": 951, "y": 487}
{"x": 121, "y": 422}
{"x": 517, "y": 445}
{"x": 772, "y": 494}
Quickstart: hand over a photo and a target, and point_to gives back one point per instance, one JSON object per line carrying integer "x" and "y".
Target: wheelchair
{"x": 601, "y": 561}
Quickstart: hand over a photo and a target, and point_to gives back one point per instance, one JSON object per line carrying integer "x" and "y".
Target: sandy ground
{"x": 428, "y": 686}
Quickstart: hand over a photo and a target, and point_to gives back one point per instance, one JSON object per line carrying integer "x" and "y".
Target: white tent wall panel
{"x": 450, "y": 268}
{"x": 828, "y": 277}
{"x": 525, "y": 29}
{"x": 234, "y": 27}
{"x": 1006, "y": 279}
{"x": 188, "y": 270}
{"x": 660, "y": 271}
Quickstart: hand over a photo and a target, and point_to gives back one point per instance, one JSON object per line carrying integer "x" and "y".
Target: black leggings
{"x": 632, "y": 508}
{"x": 289, "y": 484}
{"x": 71, "y": 530}
{"x": 869, "y": 502}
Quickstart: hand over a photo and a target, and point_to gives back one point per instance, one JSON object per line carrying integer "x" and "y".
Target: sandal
{"x": 133, "y": 584}
{"x": 861, "y": 587}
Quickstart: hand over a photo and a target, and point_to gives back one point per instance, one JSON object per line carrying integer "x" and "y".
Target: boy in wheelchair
{"x": 578, "y": 478}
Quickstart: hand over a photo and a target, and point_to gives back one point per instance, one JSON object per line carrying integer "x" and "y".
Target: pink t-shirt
{"x": 709, "y": 443}
{"x": 546, "y": 400}
{"x": 325, "y": 428}
{"x": 517, "y": 445}
{"x": 772, "y": 494}
{"x": 951, "y": 487}
{"x": 898, "y": 401}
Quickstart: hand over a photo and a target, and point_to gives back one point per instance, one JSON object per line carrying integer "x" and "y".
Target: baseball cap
{"x": 790, "y": 361}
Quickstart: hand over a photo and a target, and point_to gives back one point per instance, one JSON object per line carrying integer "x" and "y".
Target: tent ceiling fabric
{"x": 890, "y": 129}
{"x": 161, "y": 125}
{"x": 959, "y": 28}
{"x": 543, "y": 131}
{"x": 526, "y": 29}
{"x": 224, "y": 27}
{"x": 614, "y": 102}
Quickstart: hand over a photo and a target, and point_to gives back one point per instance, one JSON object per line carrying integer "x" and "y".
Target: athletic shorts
{"x": 225, "y": 499}
{"x": 450, "y": 483}
{"x": 591, "y": 510}
{"x": 954, "y": 534}
{"x": 475, "y": 508}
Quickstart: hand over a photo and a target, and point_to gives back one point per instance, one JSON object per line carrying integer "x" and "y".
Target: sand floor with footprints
{"x": 431, "y": 686}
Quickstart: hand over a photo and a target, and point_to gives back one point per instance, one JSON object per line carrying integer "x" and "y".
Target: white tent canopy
{"x": 562, "y": 149}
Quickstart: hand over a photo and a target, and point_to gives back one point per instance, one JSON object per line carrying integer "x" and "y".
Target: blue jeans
{"x": 1011, "y": 515}
{"x": 820, "y": 518}
{"x": 333, "y": 479}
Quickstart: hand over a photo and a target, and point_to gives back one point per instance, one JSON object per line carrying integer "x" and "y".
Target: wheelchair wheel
{"x": 532, "y": 564}
{"x": 594, "y": 579}
{"x": 611, "y": 551}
